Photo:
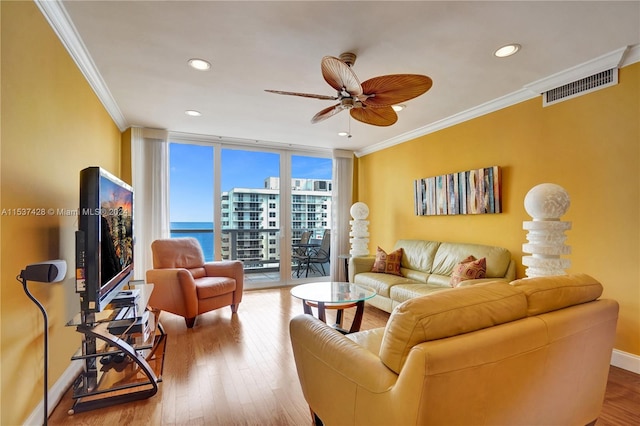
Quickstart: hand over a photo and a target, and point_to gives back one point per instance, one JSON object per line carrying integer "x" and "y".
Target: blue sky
{"x": 191, "y": 176}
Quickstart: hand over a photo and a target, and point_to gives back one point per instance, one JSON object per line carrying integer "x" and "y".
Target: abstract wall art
{"x": 470, "y": 192}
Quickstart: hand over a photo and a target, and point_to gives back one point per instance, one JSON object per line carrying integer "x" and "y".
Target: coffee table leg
{"x": 357, "y": 319}
{"x": 339, "y": 318}
{"x": 306, "y": 307}
{"x": 321, "y": 314}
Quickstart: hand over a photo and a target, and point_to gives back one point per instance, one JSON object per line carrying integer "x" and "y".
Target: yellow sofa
{"x": 535, "y": 351}
{"x": 426, "y": 268}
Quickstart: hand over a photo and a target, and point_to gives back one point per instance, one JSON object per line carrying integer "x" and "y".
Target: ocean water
{"x": 202, "y": 231}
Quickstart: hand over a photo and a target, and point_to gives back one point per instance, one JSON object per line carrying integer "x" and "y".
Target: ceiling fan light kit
{"x": 374, "y": 101}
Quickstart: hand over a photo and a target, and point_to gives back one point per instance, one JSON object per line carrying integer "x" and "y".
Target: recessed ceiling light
{"x": 508, "y": 50}
{"x": 398, "y": 107}
{"x": 193, "y": 113}
{"x": 199, "y": 64}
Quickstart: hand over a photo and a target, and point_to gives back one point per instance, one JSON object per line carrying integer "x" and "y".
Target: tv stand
{"x": 123, "y": 352}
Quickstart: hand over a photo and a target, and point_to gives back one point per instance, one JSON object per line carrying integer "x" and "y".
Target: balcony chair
{"x": 320, "y": 255}
{"x": 301, "y": 252}
{"x": 187, "y": 286}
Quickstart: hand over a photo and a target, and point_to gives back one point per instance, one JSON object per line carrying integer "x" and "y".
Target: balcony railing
{"x": 234, "y": 246}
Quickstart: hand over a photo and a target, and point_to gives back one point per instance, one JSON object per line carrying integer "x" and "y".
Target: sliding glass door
{"x": 310, "y": 214}
{"x": 249, "y": 211}
{"x": 260, "y": 201}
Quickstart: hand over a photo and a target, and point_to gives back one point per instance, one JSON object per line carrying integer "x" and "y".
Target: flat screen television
{"x": 104, "y": 241}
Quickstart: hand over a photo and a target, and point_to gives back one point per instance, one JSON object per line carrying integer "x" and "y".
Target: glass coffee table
{"x": 334, "y": 295}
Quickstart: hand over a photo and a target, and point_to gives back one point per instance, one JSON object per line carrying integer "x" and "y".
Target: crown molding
{"x": 632, "y": 56}
{"x": 616, "y": 59}
{"x": 602, "y": 63}
{"x": 59, "y": 20}
{"x": 480, "y": 110}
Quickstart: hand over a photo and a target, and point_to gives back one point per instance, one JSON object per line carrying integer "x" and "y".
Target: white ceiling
{"x": 138, "y": 51}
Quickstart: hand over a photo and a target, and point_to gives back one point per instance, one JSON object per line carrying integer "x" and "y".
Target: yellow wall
{"x": 53, "y": 126}
{"x": 590, "y": 145}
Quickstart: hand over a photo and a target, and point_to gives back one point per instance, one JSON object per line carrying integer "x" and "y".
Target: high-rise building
{"x": 251, "y": 218}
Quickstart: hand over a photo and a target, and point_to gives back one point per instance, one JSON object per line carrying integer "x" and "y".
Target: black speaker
{"x": 50, "y": 271}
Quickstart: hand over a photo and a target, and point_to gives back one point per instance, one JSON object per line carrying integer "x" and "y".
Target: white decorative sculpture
{"x": 546, "y": 203}
{"x": 359, "y": 230}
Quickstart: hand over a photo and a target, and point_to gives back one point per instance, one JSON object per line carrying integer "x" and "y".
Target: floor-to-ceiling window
{"x": 310, "y": 214}
{"x": 260, "y": 200}
{"x": 249, "y": 211}
{"x": 191, "y": 194}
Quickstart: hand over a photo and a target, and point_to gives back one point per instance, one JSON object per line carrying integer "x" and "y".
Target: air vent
{"x": 580, "y": 87}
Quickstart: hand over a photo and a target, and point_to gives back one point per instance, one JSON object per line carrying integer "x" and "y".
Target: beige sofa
{"x": 426, "y": 268}
{"x": 532, "y": 352}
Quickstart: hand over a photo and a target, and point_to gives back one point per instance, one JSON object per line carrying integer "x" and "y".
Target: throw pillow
{"x": 388, "y": 263}
{"x": 468, "y": 269}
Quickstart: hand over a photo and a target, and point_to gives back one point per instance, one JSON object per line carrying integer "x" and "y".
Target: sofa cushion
{"x": 368, "y": 339}
{"x": 441, "y": 280}
{"x": 403, "y": 292}
{"x": 387, "y": 263}
{"x": 545, "y": 294}
{"x": 418, "y": 254}
{"x": 449, "y": 254}
{"x": 448, "y": 313}
{"x": 412, "y": 274}
{"x": 214, "y": 286}
{"x": 468, "y": 269}
{"x": 381, "y": 283}
{"x": 177, "y": 253}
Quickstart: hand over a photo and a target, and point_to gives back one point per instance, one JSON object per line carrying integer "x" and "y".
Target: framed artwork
{"x": 470, "y": 192}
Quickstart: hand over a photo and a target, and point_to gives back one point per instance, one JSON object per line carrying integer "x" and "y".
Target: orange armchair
{"x": 187, "y": 286}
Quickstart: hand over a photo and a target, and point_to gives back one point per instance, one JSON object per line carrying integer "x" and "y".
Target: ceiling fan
{"x": 369, "y": 102}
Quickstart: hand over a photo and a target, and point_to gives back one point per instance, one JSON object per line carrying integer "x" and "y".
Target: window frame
{"x": 285, "y": 219}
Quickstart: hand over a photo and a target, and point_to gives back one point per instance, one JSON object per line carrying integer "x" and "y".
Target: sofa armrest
{"x": 360, "y": 264}
{"x": 174, "y": 290}
{"x": 325, "y": 356}
{"x": 510, "y": 275}
{"x": 228, "y": 268}
{"x": 225, "y": 268}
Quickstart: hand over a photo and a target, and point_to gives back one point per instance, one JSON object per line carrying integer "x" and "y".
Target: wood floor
{"x": 239, "y": 370}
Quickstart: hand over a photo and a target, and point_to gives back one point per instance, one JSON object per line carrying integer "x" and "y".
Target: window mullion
{"x": 217, "y": 201}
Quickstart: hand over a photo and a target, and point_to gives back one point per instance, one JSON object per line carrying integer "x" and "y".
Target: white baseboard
{"x": 626, "y": 361}
{"x": 56, "y": 392}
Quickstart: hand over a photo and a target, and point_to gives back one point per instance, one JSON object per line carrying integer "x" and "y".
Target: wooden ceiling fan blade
{"x": 326, "y": 113}
{"x": 394, "y": 89}
{"x": 383, "y": 116}
{"x": 306, "y": 95}
{"x": 340, "y": 76}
